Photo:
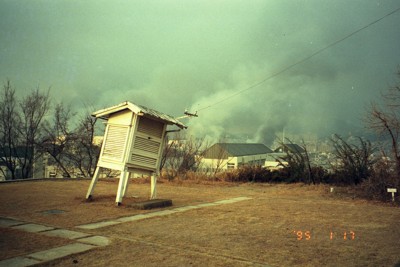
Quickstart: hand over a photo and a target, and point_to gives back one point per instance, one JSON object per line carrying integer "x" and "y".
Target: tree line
{"x": 32, "y": 128}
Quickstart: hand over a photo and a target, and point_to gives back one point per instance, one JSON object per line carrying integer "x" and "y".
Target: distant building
{"x": 293, "y": 148}
{"x": 16, "y": 156}
{"x": 98, "y": 140}
{"x": 4, "y": 172}
{"x": 276, "y": 159}
{"x": 226, "y": 156}
{"x": 44, "y": 166}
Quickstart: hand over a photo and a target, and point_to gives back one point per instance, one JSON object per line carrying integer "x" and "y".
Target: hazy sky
{"x": 173, "y": 55}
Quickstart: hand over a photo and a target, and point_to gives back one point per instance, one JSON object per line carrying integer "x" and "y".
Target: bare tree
{"x": 192, "y": 154}
{"x": 220, "y": 160}
{"x": 25, "y": 135}
{"x": 385, "y": 120}
{"x": 172, "y": 159}
{"x": 297, "y": 160}
{"x": 73, "y": 151}
{"x": 355, "y": 161}
{"x": 21, "y": 126}
{"x": 58, "y": 138}
{"x": 33, "y": 109}
{"x": 85, "y": 152}
{"x": 167, "y": 152}
{"x": 182, "y": 155}
{"x": 9, "y": 135}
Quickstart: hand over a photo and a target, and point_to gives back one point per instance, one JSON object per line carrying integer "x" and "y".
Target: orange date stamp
{"x": 307, "y": 235}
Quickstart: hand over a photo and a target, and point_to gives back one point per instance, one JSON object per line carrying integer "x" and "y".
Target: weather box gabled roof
{"x": 139, "y": 110}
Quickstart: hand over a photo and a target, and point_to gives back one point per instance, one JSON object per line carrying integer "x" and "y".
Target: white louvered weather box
{"x": 133, "y": 143}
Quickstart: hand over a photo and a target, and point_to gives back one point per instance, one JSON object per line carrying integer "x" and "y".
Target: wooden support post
{"x": 93, "y": 183}
{"x": 153, "y": 193}
{"x": 126, "y": 184}
{"x": 121, "y": 185}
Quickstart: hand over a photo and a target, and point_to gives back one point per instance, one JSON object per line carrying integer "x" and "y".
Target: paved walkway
{"x": 84, "y": 241}
{"x": 138, "y": 217}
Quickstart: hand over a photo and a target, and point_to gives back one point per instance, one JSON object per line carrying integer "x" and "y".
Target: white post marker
{"x": 392, "y": 190}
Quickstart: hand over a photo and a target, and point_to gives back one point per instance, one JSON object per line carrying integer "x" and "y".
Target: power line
{"x": 301, "y": 60}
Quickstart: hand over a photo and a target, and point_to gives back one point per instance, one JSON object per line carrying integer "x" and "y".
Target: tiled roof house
{"x": 222, "y": 156}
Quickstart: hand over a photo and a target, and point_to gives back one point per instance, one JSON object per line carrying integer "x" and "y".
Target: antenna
{"x": 190, "y": 114}
{"x": 187, "y": 115}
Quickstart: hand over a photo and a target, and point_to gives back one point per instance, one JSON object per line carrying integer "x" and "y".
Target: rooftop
{"x": 138, "y": 109}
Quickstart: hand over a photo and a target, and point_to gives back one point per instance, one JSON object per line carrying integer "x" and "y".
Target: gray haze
{"x": 176, "y": 55}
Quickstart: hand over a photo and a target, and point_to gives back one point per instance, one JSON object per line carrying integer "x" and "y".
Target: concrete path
{"x": 97, "y": 225}
{"x": 83, "y": 243}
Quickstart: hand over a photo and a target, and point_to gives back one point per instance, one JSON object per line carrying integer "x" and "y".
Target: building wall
{"x": 274, "y": 160}
{"x": 6, "y": 173}
{"x": 229, "y": 163}
{"x": 2, "y": 176}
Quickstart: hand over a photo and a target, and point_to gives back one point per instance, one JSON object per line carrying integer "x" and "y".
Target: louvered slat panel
{"x": 150, "y": 127}
{"x": 146, "y": 145}
{"x": 143, "y": 161}
{"x": 115, "y": 142}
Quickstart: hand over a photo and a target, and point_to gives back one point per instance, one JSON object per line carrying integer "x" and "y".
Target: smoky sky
{"x": 176, "y": 55}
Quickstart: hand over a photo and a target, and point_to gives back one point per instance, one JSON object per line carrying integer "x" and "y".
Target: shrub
{"x": 256, "y": 174}
{"x": 319, "y": 174}
{"x": 354, "y": 162}
{"x": 298, "y": 163}
{"x": 382, "y": 177}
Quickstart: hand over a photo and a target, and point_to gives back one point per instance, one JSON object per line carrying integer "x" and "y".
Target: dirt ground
{"x": 281, "y": 225}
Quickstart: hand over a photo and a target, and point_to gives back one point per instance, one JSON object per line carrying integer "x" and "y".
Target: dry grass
{"x": 259, "y": 231}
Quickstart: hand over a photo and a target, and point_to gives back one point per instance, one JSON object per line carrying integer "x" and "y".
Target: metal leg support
{"x": 93, "y": 183}
{"x": 121, "y": 186}
{"x": 126, "y": 184}
{"x": 153, "y": 193}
